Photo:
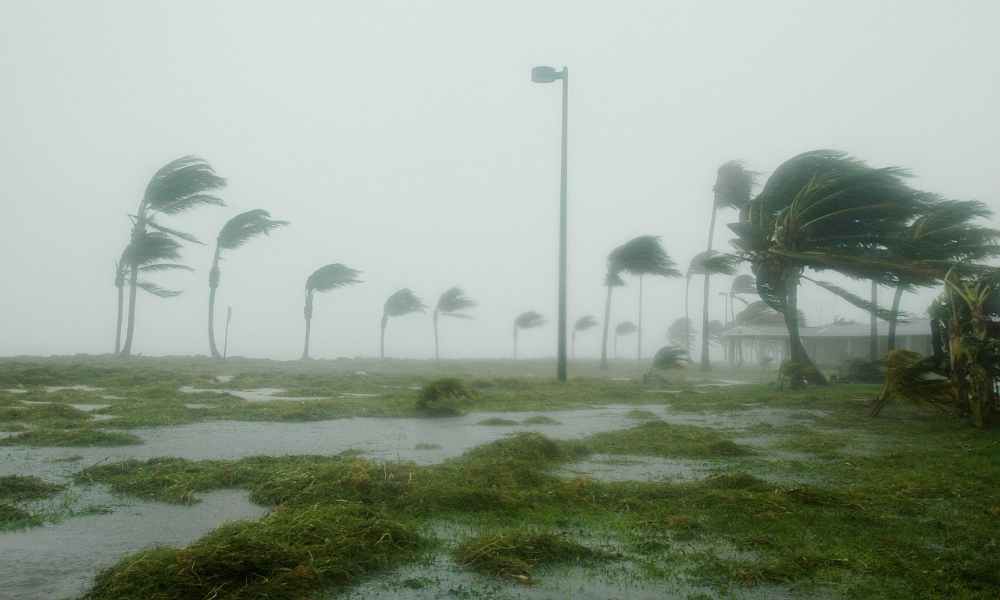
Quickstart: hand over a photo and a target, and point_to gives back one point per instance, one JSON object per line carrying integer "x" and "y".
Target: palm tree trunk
{"x": 437, "y": 353}
{"x": 225, "y": 343}
{"x": 213, "y": 284}
{"x": 118, "y": 321}
{"x": 604, "y": 338}
{"x": 896, "y": 297}
{"x": 687, "y": 318}
{"x": 138, "y": 231}
{"x": 873, "y": 325}
{"x": 638, "y": 351}
{"x": 381, "y": 347}
{"x": 307, "y": 312}
{"x": 705, "y": 363}
{"x": 797, "y": 352}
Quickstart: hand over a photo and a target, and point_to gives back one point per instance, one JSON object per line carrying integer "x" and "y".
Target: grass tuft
{"x": 19, "y": 488}
{"x": 71, "y": 437}
{"x": 498, "y": 422}
{"x": 516, "y": 553}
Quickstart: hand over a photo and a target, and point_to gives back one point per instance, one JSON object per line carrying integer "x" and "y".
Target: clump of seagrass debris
{"x": 445, "y": 397}
{"x": 516, "y": 553}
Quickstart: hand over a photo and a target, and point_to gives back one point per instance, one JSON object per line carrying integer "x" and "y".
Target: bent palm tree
{"x": 641, "y": 256}
{"x": 151, "y": 253}
{"x": 825, "y": 210}
{"x": 526, "y": 320}
{"x": 237, "y": 231}
{"x": 451, "y": 304}
{"x": 612, "y": 280}
{"x": 707, "y": 263}
{"x": 401, "y": 302}
{"x": 326, "y": 278}
{"x": 178, "y": 186}
{"x": 623, "y": 328}
{"x": 582, "y": 324}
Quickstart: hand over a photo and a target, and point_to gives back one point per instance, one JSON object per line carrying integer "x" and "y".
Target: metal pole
{"x": 561, "y": 367}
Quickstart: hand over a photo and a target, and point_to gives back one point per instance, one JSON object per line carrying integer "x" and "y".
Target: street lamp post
{"x": 548, "y": 75}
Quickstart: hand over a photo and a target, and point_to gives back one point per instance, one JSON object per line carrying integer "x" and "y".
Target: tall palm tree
{"x": 326, "y": 278}
{"x": 526, "y": 320}
{"x": 237, "y": 231}
{"x": 706, "y": 263}
{"x": 179, "y": 186}
{"x": 624, "y": 328}
{"x": 451, "y": 304}
{"x": 733, "y": 188}
{"x": 582, "y": 324}
{"x": 151, "y": 253}
{"x": 401, "y": 302}
{"x": 824, "y": 210}
{"x": 641, "y": 256}
{"x": 612, "y": 279}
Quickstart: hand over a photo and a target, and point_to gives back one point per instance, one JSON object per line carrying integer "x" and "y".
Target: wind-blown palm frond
{"x": 613, "y": 279}
{"x": 529, "y": 320}
{"x": 584, "y": 323}
{"x": 403, "y": 302}
{"x": 453, "y": 301}
{"x": 156, "y": 290}
{"x": 669, "y": 357}
{"x": 643, "y": 255}
{"x": 187, "y": 237}
{"x": 165, "y": 267}
{"x": 713, "y": 263}
{"x": 625, "y": 328}
{"x": 865, "y": 305}
{"x": 245, "y": 226}
{"x": 152, "y": 248}
{"x": 733, "y": 185}
{"x": 332, "y": 276}
{"x": 183, "y": 184}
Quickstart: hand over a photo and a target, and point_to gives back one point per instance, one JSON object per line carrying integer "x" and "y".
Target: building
{"x": 827, "y": 345}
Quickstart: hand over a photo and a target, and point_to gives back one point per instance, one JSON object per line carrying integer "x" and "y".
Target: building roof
{"x": 913, "y": 327}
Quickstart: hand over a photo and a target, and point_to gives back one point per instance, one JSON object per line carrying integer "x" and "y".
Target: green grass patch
{"x": 70, "y": 437}
{"x": 657, "y": 438}
{"x": 516, "y": 553}
{"x": 540, "y": 420}
{"x": 19, "y": 488}
{"x": 289, "y": 554}
{"x": 12, "y": 517}
{"x": 498, "y": 422}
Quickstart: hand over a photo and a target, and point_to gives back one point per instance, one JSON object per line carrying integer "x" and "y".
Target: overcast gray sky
{"x": 406, "y": 140}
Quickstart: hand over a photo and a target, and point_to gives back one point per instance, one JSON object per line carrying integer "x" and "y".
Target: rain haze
{"x": 406, "y": 140}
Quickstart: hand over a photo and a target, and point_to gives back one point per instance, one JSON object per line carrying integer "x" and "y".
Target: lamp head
{"x": 545, "y": 74}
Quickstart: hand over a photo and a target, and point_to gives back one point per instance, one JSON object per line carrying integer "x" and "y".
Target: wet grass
{"x": 540, "y": 420}
{"x": 915, "y": 516}
{"x": 70, "y": 438}
{"x": 498, "y": 422}
{"x": 18, "y": 488}
{"x": 516, "y": 553}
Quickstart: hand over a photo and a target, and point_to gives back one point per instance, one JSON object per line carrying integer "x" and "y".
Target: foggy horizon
{"x": 408, "y": 142}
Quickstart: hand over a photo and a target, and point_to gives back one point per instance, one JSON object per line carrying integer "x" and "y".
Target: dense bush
{"x": 445, "y": 397}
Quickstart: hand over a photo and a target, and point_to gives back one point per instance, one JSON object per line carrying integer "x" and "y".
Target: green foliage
{"x": 289, "y": 554}
{"x": 584, "y": 323}
{"x": 642, "y": 255}
{"x": 733, "y": 185}
{"x": 245, "y": 226}
{"x": 795, "y": 374}
{"x": 516, "y": 553}
{"x": 445, "y": 397}
{"x": 453, "y": 301}
{"x": 711, "y": 262}
{"x": 403, "y": 302}
{"x": 625, "y": 328}
{"x": 529, "y": 320}
{"x": 182, "y": 184}
{"x": 657, "y": 438}
{"x": 670, "y": 357}
{"x": 332, "y": 276}
{"x": 12, "y": 517}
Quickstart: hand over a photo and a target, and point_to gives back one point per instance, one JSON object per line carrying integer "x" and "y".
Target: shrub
{"x": 445, "y": 397}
